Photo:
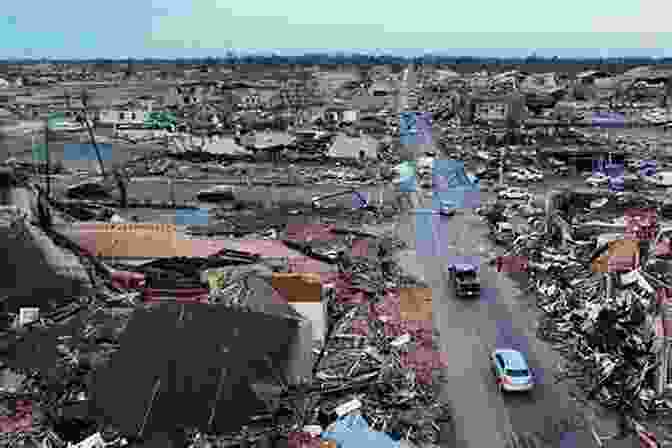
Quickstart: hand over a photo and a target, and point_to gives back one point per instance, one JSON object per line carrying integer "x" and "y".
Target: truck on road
{"x": 465, "y": 279}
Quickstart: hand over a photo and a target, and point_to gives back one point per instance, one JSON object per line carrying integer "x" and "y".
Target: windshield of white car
{"x": 517, "y": 373}
{"x": 466, "y": 275}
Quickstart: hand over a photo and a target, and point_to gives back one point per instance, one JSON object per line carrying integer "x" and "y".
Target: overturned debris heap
{"x": 162, "y": 352}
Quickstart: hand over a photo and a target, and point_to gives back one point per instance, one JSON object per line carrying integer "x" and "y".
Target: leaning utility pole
{"x": 85, "y": 120}
{"x": 48, "y": 156}
{"x": 118, "y": 176}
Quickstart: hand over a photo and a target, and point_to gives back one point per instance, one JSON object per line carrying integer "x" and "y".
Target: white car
{"x": 518, "y": 176}
{"x": 511, "y": 371}
{"x": 535, "y": 176}
{"x": 597, "y": 180}
{"x": 514, "y": 193}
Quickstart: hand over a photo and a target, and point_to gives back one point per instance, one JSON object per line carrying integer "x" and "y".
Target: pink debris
{"x": 308, "y": 265}
{"x": 664, "y": 297}
{"x": 310, "y": 232}
{"x": 360, "y": 327}
{"x": 663, "y": 248}
{"x": 188, "y": 295}
{"x": 512, "y": 264}
{"x": 424, "y": 361}
{"x": 617, "y": 263}
{"x": 278, "y": 298}
{"x": 21, "y": 421}
{"x": 128, "y": 280}
{"x": 640, "y": 223}
{"x": 303, "y": 440}
{"x": 360, "y": 248}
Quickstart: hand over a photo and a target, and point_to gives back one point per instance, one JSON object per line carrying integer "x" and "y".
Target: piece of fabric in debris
{"x": 352, "y": 431}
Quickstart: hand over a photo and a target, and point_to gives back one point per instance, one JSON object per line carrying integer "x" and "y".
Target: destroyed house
{"x": 169, "y": 384}
{"x": 490, "y": 108}
{"x": 128, "y": 114}
{"x": 139, "y": 242}
{"x": 254, "y": 98}
{"x": 589, "y": 77}
{"x": 185, "y": 94}
{"x": 340, "y": 114}
{"x": 382, "y": 88}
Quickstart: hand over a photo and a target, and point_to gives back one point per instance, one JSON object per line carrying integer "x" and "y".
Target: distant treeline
{"x": 356, "y": 59}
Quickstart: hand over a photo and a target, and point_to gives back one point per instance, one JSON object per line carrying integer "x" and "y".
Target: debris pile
{"x": 602, "y": 318}
{"x": 609, "y": 342}
{"x": 374, "y": 380}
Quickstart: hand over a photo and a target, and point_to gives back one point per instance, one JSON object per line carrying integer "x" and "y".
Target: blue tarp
{"x": 451, "y": 183}
{"x": 86, "y": 151}
{"x": 608, "y": 120}
{"x": 415, "y": 128}
{"x": 647, "y": 167}
{"x": 360, "y": 199}
{"x": 408, "y": 184}
{"x": 616, "y": 183}
{"x": 191, "y": 217}
{"x": 352, "y": 431}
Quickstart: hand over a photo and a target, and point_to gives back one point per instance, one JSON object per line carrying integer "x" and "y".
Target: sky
{"x": 198, "y": 28}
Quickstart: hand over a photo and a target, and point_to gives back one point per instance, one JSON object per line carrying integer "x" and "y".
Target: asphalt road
{"x": 470, "y": 329}
{"x": 28, "y": 255}
{"x": 159, "y": 189}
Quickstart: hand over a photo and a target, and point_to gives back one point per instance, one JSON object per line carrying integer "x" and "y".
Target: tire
{"x": 500, "y": 388}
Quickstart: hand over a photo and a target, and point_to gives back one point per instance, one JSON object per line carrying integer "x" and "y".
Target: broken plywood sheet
{"x": 298, "y": 287}
{"x": 415, "y": 303}
{"x": 621, "y": 256}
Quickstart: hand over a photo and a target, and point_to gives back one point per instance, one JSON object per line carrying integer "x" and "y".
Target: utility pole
{"x": 663, "y": 368}
{"x": 48, "y": 156}
{"x": 84, "y": 118}
{"x": 501, "y": 167}
{"x": 171, "y": 184}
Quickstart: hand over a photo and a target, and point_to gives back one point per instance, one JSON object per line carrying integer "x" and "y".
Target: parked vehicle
{"x": 448, "y": 208}
{"x": 514, "y": 193}
{"x": 503, "y": 233}
{"x": 517, "y": 176}
{"x": 216, "y": 194}
{"x": 597, "y": 180}
{"x": 660, "y": 179}
{"x": 511, "y": 371}
{"x": 535, "y": 176}
{"x": 561, "y": 171}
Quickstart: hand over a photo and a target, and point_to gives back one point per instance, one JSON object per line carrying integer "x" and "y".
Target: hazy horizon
{"x": 201, "y": 28}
